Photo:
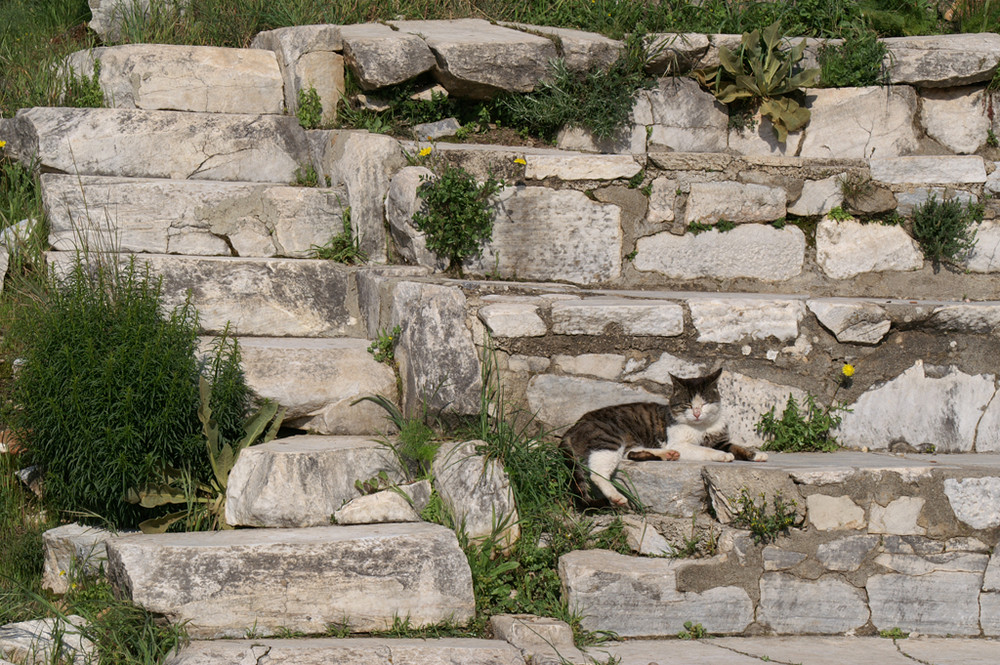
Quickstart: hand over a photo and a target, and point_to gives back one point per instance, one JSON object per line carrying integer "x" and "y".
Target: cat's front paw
{"x": 725, "y": 457}
{"x": 619, "y": 501}
{"x": 759, "y": 457}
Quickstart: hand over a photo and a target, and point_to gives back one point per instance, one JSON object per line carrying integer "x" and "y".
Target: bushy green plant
{"x": 692, "y": 631}
{"x": 856, "y": 62}
{"x": 801, "y": 431}
{"x": 108, "y": 390}
{"x": 84, "y": 91}
{"x": 946, "y": 230}
{"x": 310, "y": 109}
{"x": 384, "y": 346}
{"x": 343, "y": 247}
{"x": 764, "y": 525}
{"x": 762, "y": 72}
{"x": 457, "y": 219}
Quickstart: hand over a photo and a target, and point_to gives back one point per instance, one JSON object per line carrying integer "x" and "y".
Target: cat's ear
{"x": 714, "y": 376}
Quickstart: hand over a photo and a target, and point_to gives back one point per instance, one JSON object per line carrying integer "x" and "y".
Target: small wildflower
{"x": 2, "y": 143}
{"x": 847, "y": 370}
{"x": 61, "y": 573}
{"x": 520, "y": 160}
{"x": 426, "y": 151}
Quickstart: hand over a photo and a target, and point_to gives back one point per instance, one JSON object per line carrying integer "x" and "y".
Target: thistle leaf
{"x": 160, "y": 524}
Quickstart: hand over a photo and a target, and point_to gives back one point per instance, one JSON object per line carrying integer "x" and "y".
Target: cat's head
{"x": 696, "y": 401}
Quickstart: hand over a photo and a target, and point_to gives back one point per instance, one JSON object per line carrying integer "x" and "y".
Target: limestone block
{"x": 675, "y": 52}
{"x": 975, "y": 500}
{"x": 981, "y": 318}
{"x": 829, "y": 513}
{"x": 989, "y": 614}
{"x": 944, "y": 603}
{"x": 912, "y": 564}
{"x": 942, "y": 410}
{"x": 431, "y": 131}
{"x": 857, "y": 123}
{"x": 991, "y": 578}
{"x": 992, "y": 185}
{"x": 438, "y": 362}
{"x": 203, "y": 79}
{"x": 224, "y": 583}
{"x": 746, "y": 399}
{"x": 559, "y": 401}
{"x": 109, "y": 17}
{"x": 607, "y": 366}
{"x": 899, "y": 517}
{"x": 580, "y": 167}
{"x": 776, "y": 558}
{"x": 380, "y": 56}
{"x": 364, "y": 163}
{"x": 827, "y": 606}
{"x": 513, "y": 320}
{"x": 846, "y": 554}
{"x": 643, "y": 538}
{"x": 818, "y": 197}
{"x": 35, "y": 641}
{"x": 916, "y": 196}
{"x": 545, "y": 234}
{"x": 667, "y": 488}
{"x": 72, "y": 550}
{"x": 684, "y": 117}
{"x": 985, "y": 256}
{"x": 710, "y": 202}
{"x": 477, "y": 59}
{"x": 848, "y": 248}
{"x": 860, "y": 322}
{"x": 592, "y": 316}
{"x": 942, "y": 61}
{"x": 761, "y": 139}
{"x": 377, "y": 508}
{"x": 308, "y": 58}
{"x": 661, "y": 369}
{"x": 727, "y": 482}
{"x": 159, "y": 144}
{"x": 753, "y": 250}
{"x": 938, "y": 169}
{"x": 302, "y": 480}
{"x": 318, "y": 380}
{"x": 477, "y": 493}
{"x": 732, "y": 319}
{"x": 661, "y": 200}
{"x": 955, "y": 117}
{"x": 401, "y": 203}
{"x": 638, "y": 597}
{"x": 190, "y": 217}
{"x": 627, "y": 140}
{"x": 582, "y": 51}
{"x": 542, "y": 640}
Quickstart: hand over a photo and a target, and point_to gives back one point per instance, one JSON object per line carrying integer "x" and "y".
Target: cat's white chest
{"x": 687, "y": 440}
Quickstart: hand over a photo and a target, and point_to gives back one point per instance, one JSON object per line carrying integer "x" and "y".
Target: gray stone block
{"x": 827, "y": 606}
{"x": 941, "y": 603}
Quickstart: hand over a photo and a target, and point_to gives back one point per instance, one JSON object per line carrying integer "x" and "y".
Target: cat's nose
{"x": 696, "y": 413}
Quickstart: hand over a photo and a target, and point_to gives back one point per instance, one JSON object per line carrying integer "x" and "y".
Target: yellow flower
{"x": 848, "y": 370}
{"x": 520, "y": 160}
{"x": 426, "y": 151}
{"x": 2, "y": 143}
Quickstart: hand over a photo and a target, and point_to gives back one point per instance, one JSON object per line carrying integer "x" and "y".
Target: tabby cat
{"x": 690, "y": 427}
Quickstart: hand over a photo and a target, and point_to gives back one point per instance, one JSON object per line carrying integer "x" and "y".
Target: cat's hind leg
{"x": 602, "y": 465}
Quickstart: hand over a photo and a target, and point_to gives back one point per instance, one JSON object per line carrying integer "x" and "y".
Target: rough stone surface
{"x": 643, "y": 538}
{"x": 857, "y": 123}
{"x": 746, "y": 398}
{"x": 545, "y": 234}
{"x": 431, "y": 131}
{"x": 592, "y": 316}
{"x": 833, "y": 513}
{"x": 580, "y": 167}
{"x": 762, "y": 139}
{"x": 942, "y": 61}
{"x": 637, "y": 597}
{"x": 438, "y": 363}
{"x": 380, "y": 56}
{"x": 982, "y": 318}
{"x": 203, "y": 79}
{"x": 190, "y": 217}
{"x": 955, "y": 117}
{"x": 628, "y": 140}
{"x": 684, "y": 117}
{"x": 401, "y": 203}
{"x": 859, "y": 322}
{"x": 476, "y": 492}
{"x": 72, "y": 550}
{"x": 34, "y": 641}
{"x": 676, "y": 489}
{"x": 732, "y": 319}
{"x": 753, "y": 250}
{"x": 846, "y": 554}
{"x": 159, "y": 144}
{"x": 302, "y": 480}
{"x": 818, "y": 197}
{"x": 848, "y": 248}
{"x": 582, "y": 51}
{"x": 225, "y": 583}
{"x": 943, "y": 410}
{"x": 710, "y": 202}
{"x": 943, "y": 169}
{"x": 377, "y": 508}
{"x": 985, "y": 256}
{"x": 542, "y": 640}
{"x": 776, "y": 558}
{"x": 675, "y": 52}
{"x": 510, "y": 319}
{"x": 559, "y": 401}
{"x": 975, "y": 500}
{"x": 826, "y": 606}
{"x": 941, "y": 603}
{"x": 600, "y": 365}
{"x": 913, "y": 197}
{"x": 477, "y": 59}
{"x": 899, "y": 517}
{"x": 661, "y": 201}
{"x": 661, "y": 369}
{"x": 726, "y": 483}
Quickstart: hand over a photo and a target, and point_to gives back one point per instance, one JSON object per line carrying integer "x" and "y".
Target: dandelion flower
{"x": 426, "y": 151}
{"x": 520, "y": 160}
{"x": 2, "y": 143}
{"x": 847, "y": 370}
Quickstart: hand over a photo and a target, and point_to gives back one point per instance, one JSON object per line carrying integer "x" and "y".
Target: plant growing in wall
{"x": 762, "y": 75}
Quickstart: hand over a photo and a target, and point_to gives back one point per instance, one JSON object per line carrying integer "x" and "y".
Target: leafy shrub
{"x": 310, "y": 111}
{"x": 108, "y": 391}
{"x": 857, "y": 62}
{"x": 458, "y": 219}
{"x": 764, "y": 525}
{"x": 945, "y": 229}
{"x": 798, "y": 432}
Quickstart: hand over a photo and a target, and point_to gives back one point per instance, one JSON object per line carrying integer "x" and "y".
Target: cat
{"x": 690, "y": 427}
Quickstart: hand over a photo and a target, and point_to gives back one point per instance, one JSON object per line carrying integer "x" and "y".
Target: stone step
{"x": 260, "y": 582}
{"x": 301, "y": 481}
{"x": 199, "y": 218}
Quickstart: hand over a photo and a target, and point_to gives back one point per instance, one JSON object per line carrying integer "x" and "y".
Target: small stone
{"x": 846, "y": 554}
{"x": 857, "y": 322}
{"x": 954, "y": 117}
{"x": 728, "y": 320}
{"x": 945, "y": 603}
{"x": 975, "y": 500}
{"x": 935, "y": 170}
{"x": 600, "y": 365}
{"x": 710, "y": 202}
{"x": 380, "y": 56}
{"x": 684, "y": 117}
{"x": 34, "y": 641}
{"x": 899, "y": 517}
{"x": 643, "y": 538}
{"x": 776, "y": 558}
{"x": 662, "y": 195}
{"x": 827, "y": 606}
{"x": 667, "y": 364}
{"x": 829, "y": 513}
{"x": 377, "y": 508}
{"x": 859, "y": 123}
{"x": 580, "y": 167}
{"x": 942, "y": 61}
{"x": 848, "y": 248}
{"x": 818, "y": 197}
{"x": 591, "y": 316}
{"x": 513, "y": 320}
{"x": 430, "y": 131}
{"x": 72, "y": 551}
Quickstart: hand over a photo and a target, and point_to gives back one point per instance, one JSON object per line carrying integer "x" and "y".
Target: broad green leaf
{"x": 160, "y": 524}
{"x": 730, "y": 61}
{"x": 772, "y": 35}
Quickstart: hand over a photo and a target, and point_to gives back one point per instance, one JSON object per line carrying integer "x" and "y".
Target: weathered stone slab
{"x": 431, "y": 131}
{"x": 72, "y": 551}
{"x": 913, "y": 197}
{"x": 377, "y": 508}
{"x": 731, "y": 319}
{"x": 638, "y": 597}
{"x": 308, "y": 57}
{"x": 666, "y": 488}
{"x": 899, "y": 517}
{"x": 628, "y": 140}
{"x": 854, "y": 321}
{"x": 559, "y": 401}
{"x": 662, "y": 196}
{"x": 661, "y": 369}
{"x": 380, "y": 56}
{"x": 857, "y": 123}
{"x": 581, "y": 51}
{"x": 746, "y": 399}
{"x": 776, "y": 558}
{"x": 834, "y": 513}
{"x": 302, "y": 480}
{"x": 542, "y": 640}
{"x": 675, "y": 52}
{"x": 477, "y": 59}
{"x": 975, "y": 500}
{"x": 826, "y": 606}
{"x": 477, "y": 493}
{"x": 509, "y": 319}
{"x": 643, "y": 538}
{"x": 592, "y": 316}
{"x": 710, "y": 202}
{"x": 955, "y": 117}
{"x": 753, "y": 250}
{"x": 224, "y": 583}
{"x": 349, "y": 651}
{"x": 911, "y": 564}
{"x": 943, "y": 409}
{"x": 846, "y": 554}
{"x": 945, "y": 603}
{"x": 190, "y": 217}
{"x": 985, "y": 256}
{"x": 438, "y": 363}
{"x": 818, "y": 197}
{"x": 203, "y": 79}
{"x": 318, "y": 380}
{"x": 981, "y": 318}
{"x": 942, "y": 61}
{"x": 545, "y": 234}
{"x": 600, "y": 365}
{"x": 159, "y": 144}
{"x": 760, "y": 138}
{"x": 940, "y": 170}
{"x": 726, "y": 483}
{"x": 848, "y": 248}
{"x": 684, "y": 117}
{"x": 40, "y": 641}
{"x": 580, "y": 167}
